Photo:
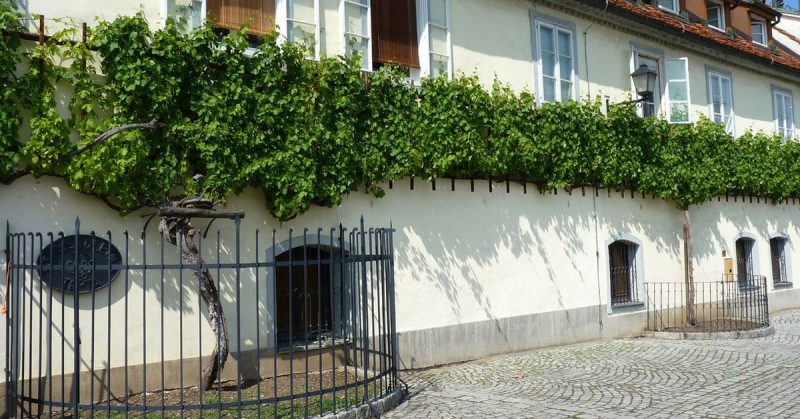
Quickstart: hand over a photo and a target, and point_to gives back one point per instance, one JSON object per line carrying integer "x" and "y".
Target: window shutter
{"x": 394, "y": 29}
{"x": 232, "y": 14}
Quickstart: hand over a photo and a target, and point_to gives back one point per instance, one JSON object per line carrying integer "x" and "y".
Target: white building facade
{"x": 493, "y": 267}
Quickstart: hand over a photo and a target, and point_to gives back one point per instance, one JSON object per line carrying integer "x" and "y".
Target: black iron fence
{"x": 732, "y": 304}
{"x": 123, "y": 325}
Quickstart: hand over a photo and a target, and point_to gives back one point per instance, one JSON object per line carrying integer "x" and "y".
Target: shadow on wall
{"x": 461, "y": 250}
{"x": 736, "y": 215}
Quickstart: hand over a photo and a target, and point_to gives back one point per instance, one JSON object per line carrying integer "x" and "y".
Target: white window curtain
{"x": 358, "y": 31}
{"x": 720, "y": 90}
{"x": 678, "y": 106}
{"x": 784, "y": 113}
{"x": 556, "y": 63}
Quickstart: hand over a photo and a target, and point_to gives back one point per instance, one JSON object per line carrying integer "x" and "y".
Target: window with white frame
{"x": 302, "y": 23}
{"x": 783, "y": 104}
{"x": 438, "y": 30}
{"x": 556, "y": 62}
{"x": 189, "y": 13}
{"x": 671, "y": 5}
{"x": 622, "y": 258}
{"x": 357, "y": 31}
{"x": 759, "y": 31}
{"x": 677, "y": 72}
{"x": 778, "y": 253}
{"x": 720, "y": 99}
{"x": 652, "y": 60}
{"x": 716, "y": 16}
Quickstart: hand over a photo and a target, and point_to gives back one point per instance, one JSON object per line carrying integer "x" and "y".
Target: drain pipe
{"x": 586, "y": 59}
{"x": 594, "y": 197}
{"x": 597, "y": 262}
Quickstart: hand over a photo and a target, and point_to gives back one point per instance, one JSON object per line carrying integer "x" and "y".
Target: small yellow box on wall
{"x": 728, "y": 269}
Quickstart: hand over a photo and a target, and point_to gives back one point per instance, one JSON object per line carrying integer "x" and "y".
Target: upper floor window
{"x": 716, "y": 16}
{"x": 394, "y": 33}
{"x": 259, "y": 15}
{"x": 357, "y": 30}
{"x": 678, "y": 90}
{"x": 671, "y": 5}
{"x": 720, "y": 98}
{"x": 439, "y": 36}
{"x": 783, "y": 104}
{"x": 759, "y": 31}
{"x": 652, "y": 59}
{"x": 556, "y": 61}
{"x": 302, "y": 23}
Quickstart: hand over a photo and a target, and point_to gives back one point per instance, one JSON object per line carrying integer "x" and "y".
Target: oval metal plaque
{"x": 93, "y": 255}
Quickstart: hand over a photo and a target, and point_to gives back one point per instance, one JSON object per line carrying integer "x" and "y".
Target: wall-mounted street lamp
{"x": 644, "y": 81}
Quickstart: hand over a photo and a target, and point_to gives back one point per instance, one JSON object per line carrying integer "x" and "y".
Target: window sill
{"x": 720, "y": 30}
{"x": 782, "y": 285}
{"x": 311, "y": 346}
{"x": 627, "y": 307}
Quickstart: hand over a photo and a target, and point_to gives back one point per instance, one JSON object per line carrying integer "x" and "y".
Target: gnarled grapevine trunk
{"x": 688, "y": 254}
{"x": 182, "y": 234}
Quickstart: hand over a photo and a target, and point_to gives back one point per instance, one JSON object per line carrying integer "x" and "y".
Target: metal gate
{"x": 116, "y": 325}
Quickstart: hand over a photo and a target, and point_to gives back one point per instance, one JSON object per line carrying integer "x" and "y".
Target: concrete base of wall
{"x": 463, "y": 342}
{"x": 784, "y": 299}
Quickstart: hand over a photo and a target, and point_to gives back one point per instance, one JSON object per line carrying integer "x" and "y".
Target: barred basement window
{"x": 744, "y": 260}
{"x": 622, "y": 259}
{"x": 304, "y": 296}
{"x": 777, "y": 247}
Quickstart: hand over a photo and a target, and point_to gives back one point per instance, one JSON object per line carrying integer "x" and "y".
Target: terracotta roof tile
{"x": 698, "y": 29}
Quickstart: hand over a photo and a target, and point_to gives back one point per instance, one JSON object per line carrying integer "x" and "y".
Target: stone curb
{"x": 362, "y": 412}
{"x": 741, "y": 334}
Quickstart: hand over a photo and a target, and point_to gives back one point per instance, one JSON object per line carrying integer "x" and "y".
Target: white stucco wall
{"x": 461, "y": 257}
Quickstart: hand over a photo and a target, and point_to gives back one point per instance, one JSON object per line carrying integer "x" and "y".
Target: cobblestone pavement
{"x": 639, "y": 377}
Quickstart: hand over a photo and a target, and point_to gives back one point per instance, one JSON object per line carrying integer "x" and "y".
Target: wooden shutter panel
{"x": 394, "y": 32}
{"x": 232, "y": 14}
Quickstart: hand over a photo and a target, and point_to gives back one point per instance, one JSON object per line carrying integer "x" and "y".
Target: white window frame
{"x": 638, "y": 264}
{"x": 788, "y": 248}
{"x": 282, "y": 21}
{"x": 756, "y": 261}
{"x": 783, "y": 95}
{"x": 424, "y": 44}
{"x": 719, "y": 74}
{"x": 637, "y": 51}
{"x": 685, "y": 62}
{"x": 165, "y": 12}
{"x": 676, "y": 7}
{"x": 557, "y": 25}
{"x": 343, "y": 34}
{"x": 721, "y": 15}
{"x": 754, "y": 21}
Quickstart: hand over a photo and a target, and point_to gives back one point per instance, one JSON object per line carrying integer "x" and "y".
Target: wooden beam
{"x": 198, "y": 213}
